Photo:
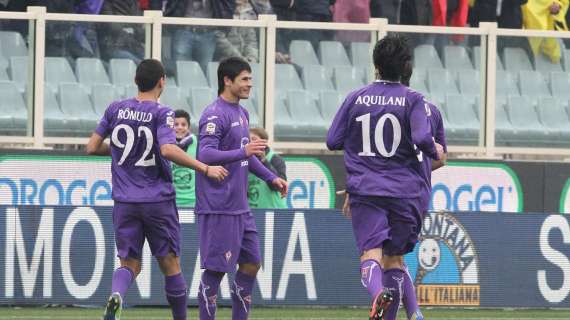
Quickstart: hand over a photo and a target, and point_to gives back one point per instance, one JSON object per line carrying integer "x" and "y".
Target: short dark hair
{"x": 182, "y": 114}
{"x": 391, "y": 54}
{"x": 148, "y": 73}
{"x": 231, "y": 68}
{"x": 260, "y": 132}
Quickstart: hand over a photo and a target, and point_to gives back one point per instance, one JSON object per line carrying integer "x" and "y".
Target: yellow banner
{"x": 448, "y": 294}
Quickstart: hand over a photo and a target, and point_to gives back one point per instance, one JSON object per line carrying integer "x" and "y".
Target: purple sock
{"x": 208, "y": 293}
{"x": 371, "y": 277}
{"x": 122, "y": 279}
{"x": 241, "y": 295}
{"x": 409, "y": 295}
{"x": 176, "y": 294}
{"x": 394, "y": 281}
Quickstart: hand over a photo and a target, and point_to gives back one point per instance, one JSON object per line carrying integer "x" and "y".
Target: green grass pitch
{"x": 37, "y": 313}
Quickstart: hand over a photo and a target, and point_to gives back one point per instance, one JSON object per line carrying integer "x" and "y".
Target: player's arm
{"x": 257, "y": 168}
{"x": 97, "y": 147}
{"x": 440, "y": 140}
{"x": 421, "y": 132}
{"x": 337, "y": 131}
{"x": 211, "y": 132}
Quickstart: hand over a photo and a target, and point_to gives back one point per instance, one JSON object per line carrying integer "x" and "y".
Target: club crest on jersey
{"x": 170, "y": 121}
{"x": 210, "y": 128}
{"x": 228, "y": 256}
{"x": 444, "y": 263}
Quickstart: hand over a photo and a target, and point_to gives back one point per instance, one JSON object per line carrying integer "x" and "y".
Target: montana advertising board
{"x": 86, "y": 181}
{"x": 66, "y": 255}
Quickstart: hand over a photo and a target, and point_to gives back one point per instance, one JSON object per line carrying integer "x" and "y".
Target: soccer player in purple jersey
{"x": 409, "y": 298}
{"x": 228, "y": 235}
{"x": 380, "y": 127}
{"x": 143, "y": 143}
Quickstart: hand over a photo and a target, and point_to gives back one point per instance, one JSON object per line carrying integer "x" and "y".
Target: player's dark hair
{"x": 231, "y": 68}
{"x": 182, "y": 114}
{"x": 148, "y": 73}
{"x": 407, "y": 75}
{"x": 260, "y": 132}
{"x": 391, "y": 54}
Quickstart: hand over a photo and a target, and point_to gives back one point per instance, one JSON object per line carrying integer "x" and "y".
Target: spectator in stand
{"x": 238, "y": 41}
{"x": 119, "y": 40}
{"x": 302, "y": 10}
{"x": 195, "y": 42}
{"x": 356, "y": 11}
{"x": 414, "y": 12}
{"x": 545, "y": 15}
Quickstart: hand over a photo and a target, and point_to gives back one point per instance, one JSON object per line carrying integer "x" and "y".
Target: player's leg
{"x": 371, "y": 230}
{"x": 220, "y": 238}
{"x": 249, "y": 264}
{"x": 129, "y": 239}
{"x": 162, "y": 230}
{"x": 405, "y": 221}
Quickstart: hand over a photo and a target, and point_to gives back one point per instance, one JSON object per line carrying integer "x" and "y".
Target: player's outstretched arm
{"x": 436, "y": 164}
{"x": 176, "y": 155}
{"x": 97, "y": 147}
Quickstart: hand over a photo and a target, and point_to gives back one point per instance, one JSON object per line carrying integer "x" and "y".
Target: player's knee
{"x": 169, "y": 265}
{"x": 372, "y": 254}
{"x": 250, "y": 269}
{"x": 133, "y": 265}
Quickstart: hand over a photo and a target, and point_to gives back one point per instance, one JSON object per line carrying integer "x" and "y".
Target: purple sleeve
{"x": 338, "y": 128}
{"x": 419, "y": 124}
{"x": 440, "y": 131}
{"x": 104, "y": 127}
{"x": 211, "y": 132}
{"x": 257, "y": 168}
{"x": 165, "y": 127}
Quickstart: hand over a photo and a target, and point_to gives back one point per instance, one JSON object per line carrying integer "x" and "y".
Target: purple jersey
{"x": 380, "y": 126}
{"x": 224, "y": 132}
{"x": 137, "y": 130}
{"x": 438, "y": 132}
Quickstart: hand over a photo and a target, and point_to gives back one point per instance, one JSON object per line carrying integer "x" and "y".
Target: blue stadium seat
{"x": 285, "y": 128}
{"x": 440, "y": 83}
{"x": 4, "y": 75}
{"x": 304, "y": 111}
{"x": 75, "y": 102}
{"x": 504, "y": 130}
{"x": 13, "y": 44}
{"x": 528, "y": 129}
{"x": 286, "y": 78}
{"x": 58, "y": 70}
{"x": 200, "y": 98}
{"x": 213, "y": 73}
{"x": 361, "y": 55}
{"x": 553, "y": 115}
{"x": 91, "y": 71}
{"x": 330, "y": 102}
{"x": 477, "y": 59}
{"x": 456, "y": 58}
{"x": 56, "y": 123}
{"x": 463, "y": 124}
{"x": 560, "y": 85}
{"x": 506, "y": 84}
{"x": 13, "y": 111}
{"x": 425, "y": 56}
{"x": 254, "y": 119}
{"x": 533, "y": 85}
{"x": 302, "y": 53}
{"x": 102, "y": 95}
{"x": 315, "y": 78}
{"x": 348, "y": 78}
{"x": 175, "y": 98}
{"x": 332, "y": 53}
{"x": 19, "y": 72}
{"x": 544, "y": 65}
{"x": 516, "y": 59}
{"x": 418, "y": 80}
{"x": 122, "y": 71}
{"x": 189, "y": 74}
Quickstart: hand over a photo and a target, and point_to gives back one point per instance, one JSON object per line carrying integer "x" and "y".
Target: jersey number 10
{"x": 379, "y": 136}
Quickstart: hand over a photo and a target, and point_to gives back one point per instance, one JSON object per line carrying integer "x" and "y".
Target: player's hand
{"x": 440, "y": 151}
{"x": 218, "y": 173}
{"x": 256, "y": 148}
{"x": 281, "y": 185}
{"x": 346, "y": 205}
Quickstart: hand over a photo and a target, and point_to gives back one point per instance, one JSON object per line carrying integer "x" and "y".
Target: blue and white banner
{"x": 66, "y": 255}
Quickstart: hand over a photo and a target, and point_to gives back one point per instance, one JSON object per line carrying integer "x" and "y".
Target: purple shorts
{"x": 226, "y": 240}
{"x": 157, "y": 222}
{"x": 384, "y": 222}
